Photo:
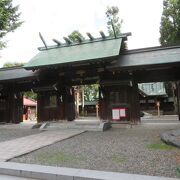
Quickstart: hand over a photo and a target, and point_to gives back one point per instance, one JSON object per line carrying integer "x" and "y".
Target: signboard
{"x": 115, "y": 114}
{"x": 118, "y": 113}
{"x": 122, "y": 112}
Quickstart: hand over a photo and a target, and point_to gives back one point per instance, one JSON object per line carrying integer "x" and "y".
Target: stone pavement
{"x": 16, "y": 147}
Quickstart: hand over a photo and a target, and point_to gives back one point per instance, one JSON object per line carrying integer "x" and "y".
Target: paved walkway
{"x": 16, "y": 147}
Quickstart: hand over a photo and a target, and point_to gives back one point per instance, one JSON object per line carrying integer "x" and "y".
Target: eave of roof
{"x": 29, "y": 102}
{"x": 148, "y": 57}
{"x": 16, "y": 73}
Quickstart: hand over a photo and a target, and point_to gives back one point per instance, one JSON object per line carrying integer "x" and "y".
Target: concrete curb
{"x": 60, "y": 173}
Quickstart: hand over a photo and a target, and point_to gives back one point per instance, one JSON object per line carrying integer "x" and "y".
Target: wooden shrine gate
{"x": 54, "y": 72}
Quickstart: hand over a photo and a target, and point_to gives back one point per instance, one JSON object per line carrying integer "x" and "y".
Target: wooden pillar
{"x": 178, "y": 97}
{"x": 5, "y": 112}
{"x": 8, "y": 108}
{"x": 39, "y": 106}
{"x": 135, "y": 104}
{"x": 100, "y": 104}
{"x": 82, "y": 99}
{"x": 19, "y": 106}
{"x": 69, "y": 101}
{"x": 15, "y": 107}
{"x": 103, "y": 104}
{"x": 77, "y": 91}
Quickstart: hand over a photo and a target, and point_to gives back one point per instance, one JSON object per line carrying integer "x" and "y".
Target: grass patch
{"x": 118, "y": 159}
{"x": 58, "y": 158}
{"x": 159, "y": 146}
{"x": 178, "y": 171}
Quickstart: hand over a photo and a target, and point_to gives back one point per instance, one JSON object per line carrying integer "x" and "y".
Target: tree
{"x": 74, "y": 36}
{"x": 9, "y": 19}
{"x": 91, "y": 92}
{"x": 30, "y": 95}
{"x": 170, "y": 23}
{"x": 9, "y": 64}
{"x": 113, "y": 19}
{"x": 114, "y": 24}
{"x": 170, "y": 35}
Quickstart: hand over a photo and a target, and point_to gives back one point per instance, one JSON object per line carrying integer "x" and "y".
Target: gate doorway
{"x": 158, "y": 102}
{"x": 87, "y": 100}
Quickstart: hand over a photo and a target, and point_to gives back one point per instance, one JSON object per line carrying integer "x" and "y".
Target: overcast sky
{"x": 58, "y": 18}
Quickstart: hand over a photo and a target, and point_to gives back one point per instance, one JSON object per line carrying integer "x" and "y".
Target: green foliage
{"x": 74, "y": 36}
{"x": 91, "y": 92}
{"x": 159, "y": 146}
{"x": 118, "y": 159}
{"x": 58, "y": 158}
{"x": 170, "y": 23}
{"x": 9, "y": 19}
{"x": 30, "y": 95}
{"x": 171, "y": 92}
{"x": 112, "y": 15}
{"x": 178, "y": 171}
{"x": 9, "y": 64}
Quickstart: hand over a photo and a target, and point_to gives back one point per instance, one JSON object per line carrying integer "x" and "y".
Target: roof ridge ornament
{"x": 42, "y": 39}
{"x": 90, "y": 36}
{"x": 102, "y": 35}
{"x": 68, "y": 41}
{"x": 80, "y": 41}
{"x": 57, "y": 42}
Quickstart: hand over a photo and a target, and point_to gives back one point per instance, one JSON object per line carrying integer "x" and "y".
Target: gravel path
{"x": 120, "y": 149}
{"x": 13, "y": 131}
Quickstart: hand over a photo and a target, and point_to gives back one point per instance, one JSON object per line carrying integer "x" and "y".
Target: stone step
{"x": 87, "y": 122}
{"x": 87, "y": 126}
{"x": 159, "y": 121}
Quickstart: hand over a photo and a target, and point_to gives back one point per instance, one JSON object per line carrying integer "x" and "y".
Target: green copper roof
{"x": 76, "y": 53}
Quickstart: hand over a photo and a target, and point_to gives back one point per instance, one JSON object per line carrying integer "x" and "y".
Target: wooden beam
{"x": 57, "y": 42}
{"x": 42, "y": 39}
{"x": 102, "y": 34}
{"x": 90, "y": 36}
{"x": 68, "y": 41}
{"x": 80, "y": 40}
